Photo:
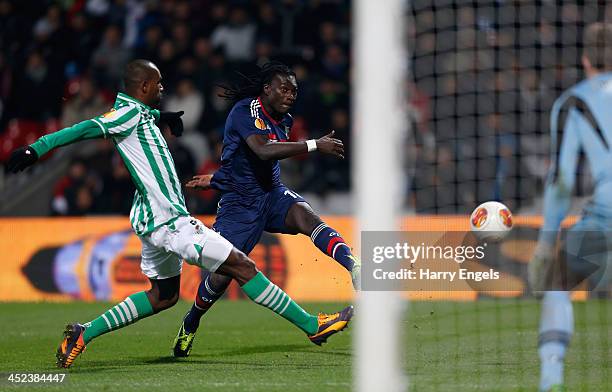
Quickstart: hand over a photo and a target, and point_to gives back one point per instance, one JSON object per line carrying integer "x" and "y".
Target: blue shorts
{"x": 242, "y": 220}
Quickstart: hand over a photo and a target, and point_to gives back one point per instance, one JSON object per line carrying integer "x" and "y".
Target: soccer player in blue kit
{"x": 580, "y": 121}
{"x": 253, "y": 198}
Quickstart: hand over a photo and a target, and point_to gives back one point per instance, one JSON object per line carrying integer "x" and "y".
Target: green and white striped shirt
{"x": 131, "y": 126}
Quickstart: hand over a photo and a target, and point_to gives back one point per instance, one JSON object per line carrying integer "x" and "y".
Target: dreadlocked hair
{"x": 252, "y": 85}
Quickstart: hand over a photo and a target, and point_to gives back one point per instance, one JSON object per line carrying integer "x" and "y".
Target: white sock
{"x": 556, "y": 328}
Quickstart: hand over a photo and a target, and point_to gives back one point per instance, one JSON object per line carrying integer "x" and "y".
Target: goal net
{"x": 483, "y": 76}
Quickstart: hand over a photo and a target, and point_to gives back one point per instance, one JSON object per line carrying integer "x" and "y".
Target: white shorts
{"x": 164, "y": 250}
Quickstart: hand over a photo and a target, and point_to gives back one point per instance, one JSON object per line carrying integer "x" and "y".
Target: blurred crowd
{"x": 485, "y": 77}
{"x": 61, "y": 62}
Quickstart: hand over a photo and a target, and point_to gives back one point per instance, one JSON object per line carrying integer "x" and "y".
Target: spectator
{"x": 167, "y": 61}
{"x": 268, "y": 28}
{"x": 237, "y": 37}
{"x": 66, "y": 189}
{"x": 36, "y": 92}
{"x": 214, "y": 116}
{"x": 150, "y": 47}
{"x": 83, "y": 41}
{"x": 188, "y": 99}
{"x": 117, "y": 184}
{"x": 81, "y": 200}
{"x": 334, "y": 63}
{"x": 88, "y": 103}
{"x": 264, "y": 51}
{"x": 110, "y": 57}
{"x": 328, "y": 36}
{"x": 181, "y": 37}
{"x": 48, "y": 24}
{"x": 9, "y": 25}
{"x": 196, "y": 44}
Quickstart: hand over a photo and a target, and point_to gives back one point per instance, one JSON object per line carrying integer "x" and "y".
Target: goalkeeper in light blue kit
{"x": 581, "y": 120}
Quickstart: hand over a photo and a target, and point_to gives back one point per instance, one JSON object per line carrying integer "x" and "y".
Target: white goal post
{"x": 378, "y": 85}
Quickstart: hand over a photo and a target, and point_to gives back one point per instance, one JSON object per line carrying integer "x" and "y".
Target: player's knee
{"x": 172, "y": 299}
{"x": 166, "y": 303}
{"x": 304, "y": 218}
{"x": 239, "y": 267}
{"x": 311, "y": 223}
{"x": 164, "y": 293}
{"x": 247, "y": 268}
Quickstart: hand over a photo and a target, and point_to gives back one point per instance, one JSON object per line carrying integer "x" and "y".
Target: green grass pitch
{"x": 474, "y": 346}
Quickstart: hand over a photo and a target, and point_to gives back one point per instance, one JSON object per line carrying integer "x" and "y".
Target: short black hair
{"x": 252, "y": 85}
{"x": 136, "y": 72}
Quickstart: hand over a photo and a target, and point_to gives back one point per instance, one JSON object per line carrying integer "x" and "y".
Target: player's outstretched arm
{"x": 266, "y": 150}
{"x": 26, "y": 156}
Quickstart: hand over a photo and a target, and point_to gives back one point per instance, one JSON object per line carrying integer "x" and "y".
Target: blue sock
{"x": 332, "y": 244}
{"x": 556, "y": 328}
{"x": 209, "y": 291}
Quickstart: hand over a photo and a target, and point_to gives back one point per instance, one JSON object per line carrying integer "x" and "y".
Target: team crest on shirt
{"x": 110, "y": 113}
{"x": 260, "y": 124}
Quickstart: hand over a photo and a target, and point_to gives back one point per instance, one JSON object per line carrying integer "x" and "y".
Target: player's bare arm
{"x": 201, "y": 182}
{"x": 267, "y": 150}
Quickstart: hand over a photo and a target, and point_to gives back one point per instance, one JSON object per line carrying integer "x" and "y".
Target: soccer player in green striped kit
{"x": 160, "y": 219}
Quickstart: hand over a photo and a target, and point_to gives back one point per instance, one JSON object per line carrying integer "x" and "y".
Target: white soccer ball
{"x": 491, "y": 221}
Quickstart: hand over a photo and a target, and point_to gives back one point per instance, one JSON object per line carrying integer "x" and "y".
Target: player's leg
{"x": 265, "y": 293}
{"x": 557, "y": 318}
{"x": 211, "y": 288}
{"x": 163, "y": 294}
{"x": 217, "y": 254}
{"x": 556, "y": 324}
{"x": 162, "y": 268}
{"x": 583, "y": 259}
{"x": 300, "y": 218}
{"x": 556, "y": 328}
{"x": 243, "y": 229}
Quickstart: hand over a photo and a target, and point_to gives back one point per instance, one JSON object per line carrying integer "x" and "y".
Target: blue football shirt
{"x": 241, "y": 170}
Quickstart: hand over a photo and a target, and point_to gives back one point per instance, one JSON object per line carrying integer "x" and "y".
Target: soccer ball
{"x": 491, "y": 221}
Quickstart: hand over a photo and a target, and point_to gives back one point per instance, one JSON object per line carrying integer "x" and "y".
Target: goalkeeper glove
{"x": 21, "y": 158}
{"x": 540, "y": 267}
{"x": 173, "y": 121}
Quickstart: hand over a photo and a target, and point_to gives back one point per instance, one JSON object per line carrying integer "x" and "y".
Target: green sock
{"x": 267, "y": 294}
{"x": 133, "y": 308}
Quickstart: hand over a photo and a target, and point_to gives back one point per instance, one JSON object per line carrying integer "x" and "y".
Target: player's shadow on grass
{"x": 209, "y": 358}
{"x": 273, "y": 348}
{"x": 327, "y": 352}
{"x": 263, "y": 349}
{"x": 288, "y": 349}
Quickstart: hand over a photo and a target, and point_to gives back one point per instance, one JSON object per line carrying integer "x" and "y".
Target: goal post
{"x": 378, "y": 86}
